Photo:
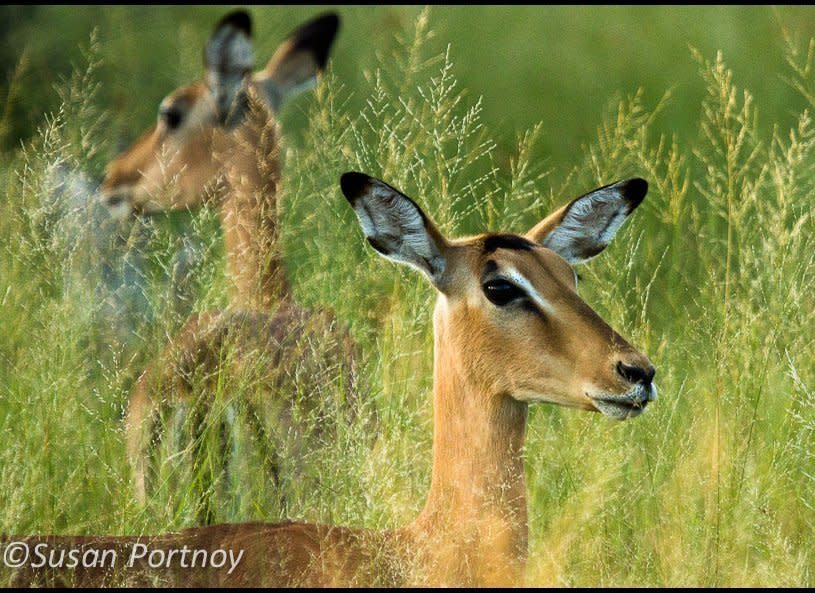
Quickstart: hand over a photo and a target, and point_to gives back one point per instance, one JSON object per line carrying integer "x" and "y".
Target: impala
{"x": 218, "y": 139}
{"x": 510, "y": 330}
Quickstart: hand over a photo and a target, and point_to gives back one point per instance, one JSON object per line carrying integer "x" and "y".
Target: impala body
{"x": 217, "y": 140}
{"x": 510, "y": 330}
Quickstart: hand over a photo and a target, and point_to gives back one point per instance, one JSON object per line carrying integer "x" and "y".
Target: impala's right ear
{"x": 228, "y": 59}
{"x": 585, "y": 226}
{"x": 294, "y": 66}
{"x": 395, "y": 226}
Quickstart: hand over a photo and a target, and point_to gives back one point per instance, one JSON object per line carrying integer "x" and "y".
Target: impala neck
{"x": 473, "y": 528}
{"x": 249, "y": 212}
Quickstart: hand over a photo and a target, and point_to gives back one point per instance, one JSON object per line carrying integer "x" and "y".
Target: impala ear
{"x": 585, "y": 226}
{"x": 228, "y": 59}
{"x": 295, "y": 65}
{"x": 395, "y": 226}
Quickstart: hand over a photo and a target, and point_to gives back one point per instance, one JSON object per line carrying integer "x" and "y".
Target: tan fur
{"x": 239, "y": 168}
{"x": 163, "y": 171}
{"x": 548, "y": 224}
{"x": 489, "y": 364}
{"x": 286, "y": 364}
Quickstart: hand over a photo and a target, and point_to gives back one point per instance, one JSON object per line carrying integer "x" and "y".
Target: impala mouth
{"x": 118, "y": 207}
{"x": 628, "y": 405}
{"x": 118, "y": 203}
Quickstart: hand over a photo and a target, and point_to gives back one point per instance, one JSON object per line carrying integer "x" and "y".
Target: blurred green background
{"x": 557, "y": 65}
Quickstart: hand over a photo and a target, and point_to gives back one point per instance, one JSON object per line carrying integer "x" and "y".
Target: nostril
{"x": 113, "y": 199}
{"x": 636, "y": 374}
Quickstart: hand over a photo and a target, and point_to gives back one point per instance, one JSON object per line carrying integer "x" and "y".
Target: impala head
{"x": 509, "y": 317}
{"x": 175, "y": 162}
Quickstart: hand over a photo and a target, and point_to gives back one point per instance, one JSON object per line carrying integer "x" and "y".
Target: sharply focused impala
{"x": 218, "y": 140}
{"x": 510, "y": 330}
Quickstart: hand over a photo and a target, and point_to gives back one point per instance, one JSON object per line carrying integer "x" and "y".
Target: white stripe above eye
{"x": 521, "y": 282}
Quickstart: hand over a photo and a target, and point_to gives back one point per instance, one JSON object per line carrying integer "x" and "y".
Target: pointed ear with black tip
{"x": 295, "y": 65}
{"x": 229, "y": 59}
{"x": 585, "y": 226}
{"x": 395, "y": 226}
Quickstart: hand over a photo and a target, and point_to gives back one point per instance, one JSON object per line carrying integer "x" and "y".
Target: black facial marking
{"x": 528, "y": 306}
{"x": 494, "y": 242}
{"x": 490, "y": 267}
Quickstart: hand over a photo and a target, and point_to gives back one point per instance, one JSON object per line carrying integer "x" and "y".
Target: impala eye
{"x": 501, "y": 292}
{"x": 171, "y": 117}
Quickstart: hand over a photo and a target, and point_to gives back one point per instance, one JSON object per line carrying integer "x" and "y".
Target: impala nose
{"x": 113, "y": 200}
{"x": 117, "y": 203}
{"x": 636, "y": 374}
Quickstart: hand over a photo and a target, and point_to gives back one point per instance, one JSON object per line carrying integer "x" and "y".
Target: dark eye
{"x": 171, "y": 116}
{"x": 501, "y": 292}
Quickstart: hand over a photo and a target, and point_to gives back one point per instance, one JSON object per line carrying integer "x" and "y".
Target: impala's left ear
{"x": 585, "y": 226}
{"x": 300, "y": 58}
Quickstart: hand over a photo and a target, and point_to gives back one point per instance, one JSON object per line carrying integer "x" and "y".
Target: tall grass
{"x": 712, "y": 277}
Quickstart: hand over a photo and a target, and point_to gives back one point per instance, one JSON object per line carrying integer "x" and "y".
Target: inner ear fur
{"x": 228, "y": 60}
{"x": 395, "y": 226}
{"x": 584, "y": 227}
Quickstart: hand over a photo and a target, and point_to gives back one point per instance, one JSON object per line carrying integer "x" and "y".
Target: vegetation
{"x": 712, "y": 277}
